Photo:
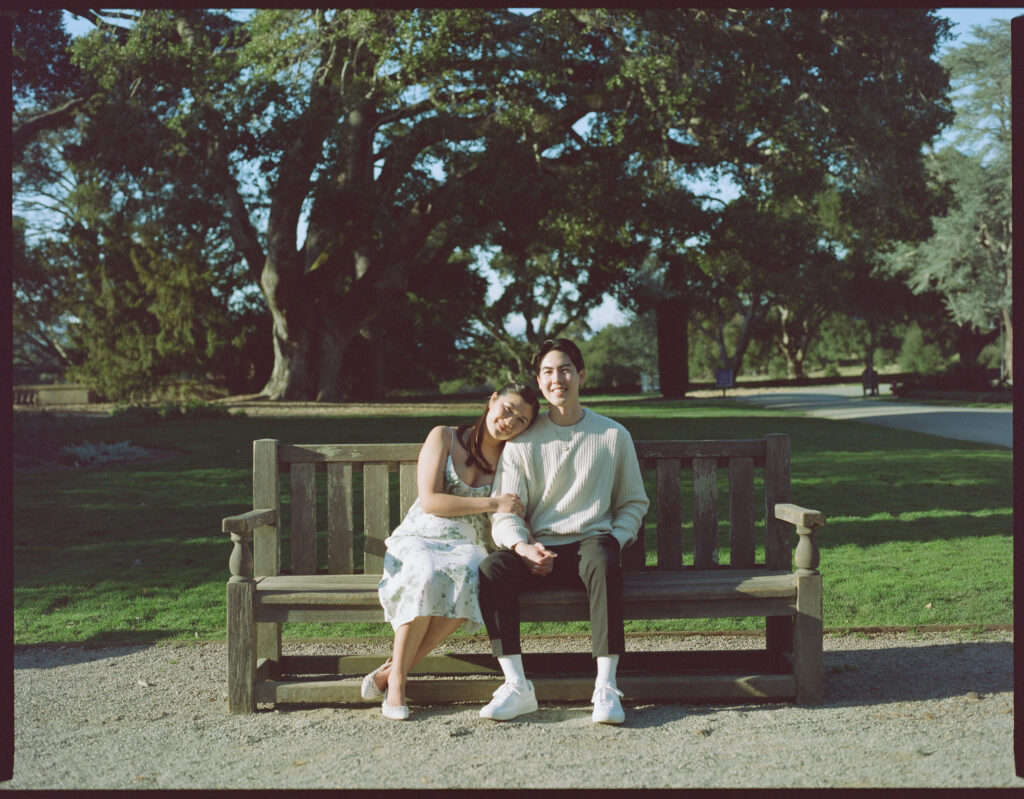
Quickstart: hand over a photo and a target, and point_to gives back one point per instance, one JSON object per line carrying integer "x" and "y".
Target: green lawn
{"x": 919, "y": 528}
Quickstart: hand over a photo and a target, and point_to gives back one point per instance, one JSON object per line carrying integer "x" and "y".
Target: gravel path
{"x": 901, "y": 710}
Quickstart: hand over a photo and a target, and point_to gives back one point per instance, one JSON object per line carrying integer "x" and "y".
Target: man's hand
{"x": 538, "y": 559}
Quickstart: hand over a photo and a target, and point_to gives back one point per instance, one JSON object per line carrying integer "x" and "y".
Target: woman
{"x": 430, "y": 579}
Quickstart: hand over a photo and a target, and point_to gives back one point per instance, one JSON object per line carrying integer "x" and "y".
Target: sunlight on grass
{"x": 135, "y": 552}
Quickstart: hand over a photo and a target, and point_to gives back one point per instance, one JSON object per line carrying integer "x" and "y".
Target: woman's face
{"x": 508, "y": 415}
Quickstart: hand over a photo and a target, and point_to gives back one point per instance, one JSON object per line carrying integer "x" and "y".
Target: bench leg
{"x": 268, "y": 646}
{"x": 241, "y": 647}
{"x": 808, "y": 659}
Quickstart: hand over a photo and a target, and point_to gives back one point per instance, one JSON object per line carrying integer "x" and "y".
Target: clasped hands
{"x": 538, "y": 559}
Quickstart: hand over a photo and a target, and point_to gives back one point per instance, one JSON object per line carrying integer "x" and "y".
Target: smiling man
{"x": 579, "y": 480}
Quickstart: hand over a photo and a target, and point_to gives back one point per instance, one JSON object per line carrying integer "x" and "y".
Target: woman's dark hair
{"x": 476, "y": 432}
{"x": 562, "y": 345}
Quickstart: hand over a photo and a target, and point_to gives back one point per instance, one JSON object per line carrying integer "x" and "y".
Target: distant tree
{"x": 968, "y": 260}
{"x": 617, "y": 355}
{"x": 790, "y": 103}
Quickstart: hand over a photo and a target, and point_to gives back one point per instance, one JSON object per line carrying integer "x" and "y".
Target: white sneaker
{"x": 607, "y": 708}
{"x": 510, "y": 700}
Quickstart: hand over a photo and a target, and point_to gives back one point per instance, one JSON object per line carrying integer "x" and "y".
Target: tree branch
{"x": 48, "y": 120}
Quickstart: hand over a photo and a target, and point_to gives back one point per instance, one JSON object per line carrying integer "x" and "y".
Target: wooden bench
{"x": 365, "y": 489}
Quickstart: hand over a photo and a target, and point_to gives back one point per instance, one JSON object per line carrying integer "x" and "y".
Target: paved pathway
{"x": 985, "y": 425}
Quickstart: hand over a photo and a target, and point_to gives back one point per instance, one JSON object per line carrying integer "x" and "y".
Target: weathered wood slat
{"x": 407, "y": 488}
{"x": 700, "y": 688}
{"x": 741, "y": 513}
{"x": 241, "y": 647}
{"x": 303, "y": 518}
{"x": 339, "y": 518}
{"x": 266, "y": 493}
{"x": 684, "y": 594}
{"x": 777, "y": 545}
{"x": 705, "y": 513}
{"x": 808, "y": 662}
{"x": 249, "y": 521}
{"x": 670, "y": 515}
{"x": 687, "y": 450}
{"x": 537, "y": 663}
{"x": 322, "y": 453}
{"x": 376, "y": 516}
{"x": 266, "y": 543}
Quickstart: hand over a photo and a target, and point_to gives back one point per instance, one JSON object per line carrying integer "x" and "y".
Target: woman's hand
{"x": 509, "y": 503}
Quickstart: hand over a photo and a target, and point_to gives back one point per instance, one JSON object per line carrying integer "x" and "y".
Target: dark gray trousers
{"x": 592, "y": 563}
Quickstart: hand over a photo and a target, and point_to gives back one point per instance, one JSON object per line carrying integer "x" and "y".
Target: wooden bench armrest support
{"x": 806, "y": 556}
{"x": 249, "y": 521}
{"x": 241, "y": 528}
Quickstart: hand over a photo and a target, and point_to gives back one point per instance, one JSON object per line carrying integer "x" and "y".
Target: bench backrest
{"x": 691, "y": 485}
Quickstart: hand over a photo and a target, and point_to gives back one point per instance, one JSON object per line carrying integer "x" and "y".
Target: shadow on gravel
{"x": 853, "y": 677}
{"x": 912, "y": 673}
{"x": 48, "y": 656}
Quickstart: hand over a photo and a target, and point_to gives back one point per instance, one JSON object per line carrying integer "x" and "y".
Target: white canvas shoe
{"x": 607, "y": 707}
{"x": 510, "y": 700}
{"x": 369, "y": 689}
{"x": 395, "y": 712}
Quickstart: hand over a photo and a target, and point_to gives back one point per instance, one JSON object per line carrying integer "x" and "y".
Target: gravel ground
{"x": 900, "y": 710}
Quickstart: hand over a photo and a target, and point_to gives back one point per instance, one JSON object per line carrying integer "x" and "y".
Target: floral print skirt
{"x": 432, "y": 569}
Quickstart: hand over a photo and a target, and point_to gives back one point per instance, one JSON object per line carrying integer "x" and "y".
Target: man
{"x": 577, "y": 475}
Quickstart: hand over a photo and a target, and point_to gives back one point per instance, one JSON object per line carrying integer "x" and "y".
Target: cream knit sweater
{"x": 575, "y": 482}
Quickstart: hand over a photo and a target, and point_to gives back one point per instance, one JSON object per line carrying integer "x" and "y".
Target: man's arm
{"x": 509, "y": 529}
{"x": 629, "y": 498}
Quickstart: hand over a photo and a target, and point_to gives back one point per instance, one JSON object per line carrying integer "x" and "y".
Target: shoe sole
{"x": 509, "y": 718}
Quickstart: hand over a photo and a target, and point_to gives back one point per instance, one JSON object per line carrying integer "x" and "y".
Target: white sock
{"x": 512, "y": 667}
{"x": 606, "y": 665}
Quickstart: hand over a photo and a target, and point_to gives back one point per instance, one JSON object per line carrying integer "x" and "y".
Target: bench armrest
{"x": 241, "y": 528}
{"x": 801, "y": 517}
{"x": 806, "y": 521}
{"x": 249, "y": 521}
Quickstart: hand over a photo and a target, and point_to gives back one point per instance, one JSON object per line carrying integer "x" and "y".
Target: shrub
{"x": 193, "y": 409}
{"x": 87, "y": 453}
{"x": 919, "y": 355}
{"x": 958, "y": 377}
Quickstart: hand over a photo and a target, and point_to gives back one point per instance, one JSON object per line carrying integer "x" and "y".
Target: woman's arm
{"x": 430, "y": 483}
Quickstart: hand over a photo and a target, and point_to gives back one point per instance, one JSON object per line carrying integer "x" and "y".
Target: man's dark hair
{"x": 562, "y": 345}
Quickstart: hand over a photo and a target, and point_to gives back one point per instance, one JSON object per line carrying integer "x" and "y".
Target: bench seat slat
{"x": 360, "y": 590}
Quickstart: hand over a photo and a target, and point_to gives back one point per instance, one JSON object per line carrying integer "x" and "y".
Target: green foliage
{"x": 618, "y": 355}
{"x": 968, "y": 260}
{"x": 401, "y": 139}
{"x": 137, "y": 413}
{"x": 921, "y": 355}
{"x": 41, "y": 70}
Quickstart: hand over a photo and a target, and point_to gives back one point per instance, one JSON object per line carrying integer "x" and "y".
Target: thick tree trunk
{"x": 293, "y": 376}
{"x": 673, "y": 315}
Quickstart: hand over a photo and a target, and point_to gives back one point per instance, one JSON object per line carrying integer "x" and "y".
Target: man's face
{"x": 558, "y": 379}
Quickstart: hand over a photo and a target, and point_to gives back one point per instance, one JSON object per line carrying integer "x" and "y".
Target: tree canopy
{"x": 344, "y": 169}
